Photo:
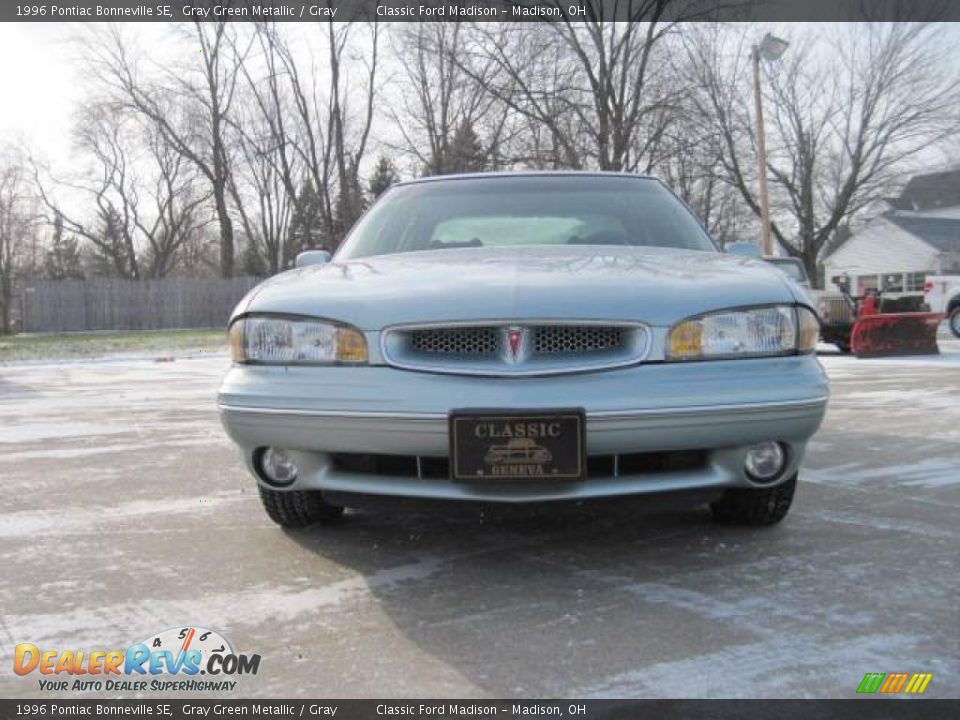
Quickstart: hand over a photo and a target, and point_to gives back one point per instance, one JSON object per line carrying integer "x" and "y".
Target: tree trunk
{"x": 226, "y": 232}
{"x": 6, "y": 299}
{"x": 809, "y": 258}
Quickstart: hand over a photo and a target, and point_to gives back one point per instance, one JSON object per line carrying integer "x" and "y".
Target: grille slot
{"x": 467, "y": 341}
{"x": 550, "y": 339}
{"x": 438, "y": 468}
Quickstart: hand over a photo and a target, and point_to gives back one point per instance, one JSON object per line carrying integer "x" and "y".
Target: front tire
{"x": 297, "y": 508}
{"x": 755, "y": 506}
{"x": 954, "y": 321}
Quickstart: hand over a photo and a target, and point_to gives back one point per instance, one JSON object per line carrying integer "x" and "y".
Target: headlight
{"x": 282, "y": 341}
{"x": 753, "y": 332}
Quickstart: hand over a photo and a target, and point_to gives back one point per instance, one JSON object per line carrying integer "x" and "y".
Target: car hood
{"x": 658, "y": 286}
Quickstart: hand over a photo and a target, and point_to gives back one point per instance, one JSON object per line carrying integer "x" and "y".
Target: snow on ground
{"x": 124, "y": 509}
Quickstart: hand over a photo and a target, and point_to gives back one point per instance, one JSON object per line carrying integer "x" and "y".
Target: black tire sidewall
{"x": 756, "y": 506}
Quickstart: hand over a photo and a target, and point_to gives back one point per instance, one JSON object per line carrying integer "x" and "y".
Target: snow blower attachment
{"x": 884, "y": 328}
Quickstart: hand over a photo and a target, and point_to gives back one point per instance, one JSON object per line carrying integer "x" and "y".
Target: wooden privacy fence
{"x": 104, "y": 304}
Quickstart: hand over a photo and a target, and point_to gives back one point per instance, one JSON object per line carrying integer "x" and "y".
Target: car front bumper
{"x": 719, "y": 407}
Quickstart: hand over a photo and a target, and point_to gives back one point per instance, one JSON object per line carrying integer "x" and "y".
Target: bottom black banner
{"x": 861, "y": 709}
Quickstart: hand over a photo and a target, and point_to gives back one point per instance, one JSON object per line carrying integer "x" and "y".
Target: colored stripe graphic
{"x": 871, "y": 682}
{"x": 893, "y": 683}
{"x": 918, "y": 683}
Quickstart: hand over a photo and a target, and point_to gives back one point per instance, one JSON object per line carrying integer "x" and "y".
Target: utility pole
{"x": 770, "y": 48}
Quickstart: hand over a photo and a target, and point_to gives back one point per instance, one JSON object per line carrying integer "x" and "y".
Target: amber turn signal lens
{"x": 809, "y": 327}
{"x": 351, "y": 346}
{"x": 686, "y": 340}
{"x": 235, "y": 334}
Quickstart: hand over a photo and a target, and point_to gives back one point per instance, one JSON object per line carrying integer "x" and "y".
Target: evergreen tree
{"x": 109, "y": 256}
{"x": 348, "y": 208}
{"x": 306, "y": 223}
{"x": 384, "y": 175}
{"x": 62, "y": 260}
{"x": 251, "y": 260}
{"x": 466, "y": 151}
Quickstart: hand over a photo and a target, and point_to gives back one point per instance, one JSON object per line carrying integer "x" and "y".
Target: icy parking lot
{"x": 125, "y": 510}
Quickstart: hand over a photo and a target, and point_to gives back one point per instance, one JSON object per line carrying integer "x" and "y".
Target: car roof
{"x": 525, "y": 173}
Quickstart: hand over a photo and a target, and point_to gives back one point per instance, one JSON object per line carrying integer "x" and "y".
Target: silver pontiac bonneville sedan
{"x": 524, "y": 337}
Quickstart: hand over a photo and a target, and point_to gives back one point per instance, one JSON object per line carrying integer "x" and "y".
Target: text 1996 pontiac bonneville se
{"x": 525, "y": 337}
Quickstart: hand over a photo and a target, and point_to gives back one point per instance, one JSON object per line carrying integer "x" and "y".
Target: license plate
{"x": 517, "y": 445}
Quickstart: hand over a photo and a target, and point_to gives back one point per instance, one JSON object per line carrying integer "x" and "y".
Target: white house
{"x": 918, "y": 236}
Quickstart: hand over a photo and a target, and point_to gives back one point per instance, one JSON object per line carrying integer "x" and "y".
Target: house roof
{"x": 933, "y": 190}
{"x": 943, "y": 233}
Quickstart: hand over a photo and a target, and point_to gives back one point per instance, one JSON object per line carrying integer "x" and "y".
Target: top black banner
{"x": 482, "y": 10}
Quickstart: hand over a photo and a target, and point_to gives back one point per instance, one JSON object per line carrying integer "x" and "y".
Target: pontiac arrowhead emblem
{"x": 514, "y": 343}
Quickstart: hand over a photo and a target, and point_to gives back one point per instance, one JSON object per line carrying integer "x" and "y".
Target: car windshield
{"x": 499, "y": 211}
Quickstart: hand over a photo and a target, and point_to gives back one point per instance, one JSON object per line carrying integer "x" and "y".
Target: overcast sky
{"x": 41, "y": 82}
{"x": 42, "y": 79}
{"x": 37, "y": 85}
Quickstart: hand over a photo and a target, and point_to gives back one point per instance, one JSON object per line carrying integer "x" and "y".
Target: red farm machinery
{"x": 873, "y": 326}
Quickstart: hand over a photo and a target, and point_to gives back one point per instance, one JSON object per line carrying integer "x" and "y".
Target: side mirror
{"x": 312, "y": 257}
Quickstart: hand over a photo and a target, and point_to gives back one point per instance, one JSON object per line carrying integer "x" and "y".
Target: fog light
{"x": 764, "y": 461}
{"x": 278, "y": 467}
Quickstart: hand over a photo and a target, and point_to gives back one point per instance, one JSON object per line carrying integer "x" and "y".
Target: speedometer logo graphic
{"x": 183, "y": 639}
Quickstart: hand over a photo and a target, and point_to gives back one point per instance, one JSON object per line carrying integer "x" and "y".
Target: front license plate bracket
{"x": 517, "y": 445}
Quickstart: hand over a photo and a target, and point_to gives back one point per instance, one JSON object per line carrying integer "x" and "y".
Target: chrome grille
{"x": 510, "y": 348}
{"x": 576, "y": 338}
{"x": 466, "y": 341}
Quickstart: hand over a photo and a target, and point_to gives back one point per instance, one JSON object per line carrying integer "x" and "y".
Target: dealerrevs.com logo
{"x": 171, "y": 660}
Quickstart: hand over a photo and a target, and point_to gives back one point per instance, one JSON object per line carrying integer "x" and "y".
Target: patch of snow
{"x": 44, "y": 429}
{"x": 773, "y": 667}
{"x": 72, "y": 520}
{"x": 926, "y": 473}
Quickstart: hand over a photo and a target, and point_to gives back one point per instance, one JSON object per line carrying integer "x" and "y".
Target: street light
{"x": 770, "y": 48}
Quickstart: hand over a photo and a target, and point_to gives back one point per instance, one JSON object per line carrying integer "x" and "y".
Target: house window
{"x": 867, "y": 282}
{"x": 893, "y": 282}
{"x": 913, "y": 282}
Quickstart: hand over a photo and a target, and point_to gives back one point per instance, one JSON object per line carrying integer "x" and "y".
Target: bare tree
{"x": 189, "y": 106}
{"x": 143, "y": 191}
{"x": 349, "y": 140}
{"x": 109, "y": 184}
{"x": 18, "y": 228}
{"x": 440, "y": 102}
{"x": 692, "y": 167}
{"x": 276, "y": 129}
{"x": 178, "y": 209}
{"x": 319, "y": 137}
{"x": 261, "y": 195}
{"x": 842, "y": 130}
{"x": 600, "y": 92}
{"x": 62, "y": 260}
